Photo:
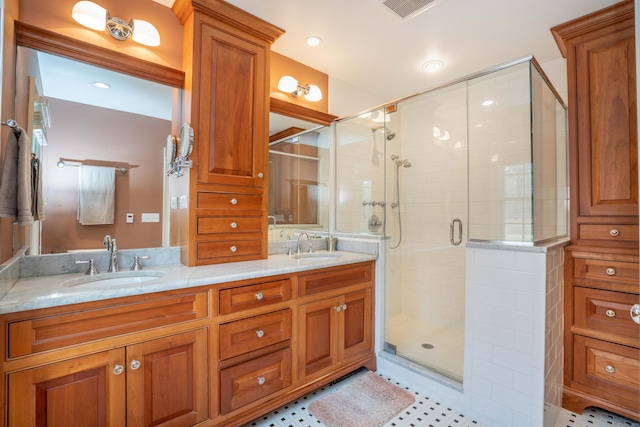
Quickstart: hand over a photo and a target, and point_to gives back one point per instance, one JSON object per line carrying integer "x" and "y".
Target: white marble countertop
{"x": 49, "y": 291}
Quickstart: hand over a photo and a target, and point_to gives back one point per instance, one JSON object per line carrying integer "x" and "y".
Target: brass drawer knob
{"x": 233, "y": 249}
{"x": 611, "y": 271}
{"x": 610, "y": 369}
{"x": 260, "y": 175}
{"x": 260, "y": 333}
{"x": 614, "y": 232}
{"x": 234, "y": 201}
{"x": 610, "y": 313}
{"x": 234, "y": 225}
{"x": 261, "y": 380}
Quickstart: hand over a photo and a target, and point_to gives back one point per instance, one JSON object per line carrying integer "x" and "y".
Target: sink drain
{"x": 427, "y": 346}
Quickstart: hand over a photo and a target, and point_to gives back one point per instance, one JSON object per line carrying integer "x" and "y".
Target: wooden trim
{"x": 588, "y": 23}
{"x": 58, "y": 44}
{"x": 285, "y": 108}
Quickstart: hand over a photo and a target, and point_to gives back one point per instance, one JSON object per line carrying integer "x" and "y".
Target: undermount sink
{"x": 119, "y": 278}
{"x": 317, "y": 256}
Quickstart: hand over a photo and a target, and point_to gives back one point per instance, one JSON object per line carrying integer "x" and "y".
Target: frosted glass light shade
{"x": 314, "y": 95}
{"x": 145, "y": 33}
{"x": 288, "y": 84}
{"x": 90, "y": 15}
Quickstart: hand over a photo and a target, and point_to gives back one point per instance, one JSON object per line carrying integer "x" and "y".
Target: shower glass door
{"x": 426, "y": 220}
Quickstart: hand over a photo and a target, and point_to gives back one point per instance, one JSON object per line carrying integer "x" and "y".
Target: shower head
{"x": 407, "y": 164}
{"x": 388, "y": 132}
{"x": 394, "y": 157}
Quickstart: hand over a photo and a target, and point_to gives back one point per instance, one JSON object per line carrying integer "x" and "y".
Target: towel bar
{"x": 61, "y": 164}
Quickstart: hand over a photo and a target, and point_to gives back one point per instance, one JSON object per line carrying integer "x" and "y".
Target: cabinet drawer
{"x": 249, "y": 381}
{"x": 229, "y": 249}
{"x": 605, "y": 311}
{"x": 243, "y": 336}
{"x": 229, "y": 202}
{"x": 234, "y": 300}
{"x": 231, "y": 225}
{"x": 47, "y": 333}
{"x": 607, "y": 369}
{"x": 611, "y": 233}
{"x": 334, "y": 278}
{"x": 612, "y": 271}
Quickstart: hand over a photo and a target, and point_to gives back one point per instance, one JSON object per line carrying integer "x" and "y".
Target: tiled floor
{"x": 424, "y": 412}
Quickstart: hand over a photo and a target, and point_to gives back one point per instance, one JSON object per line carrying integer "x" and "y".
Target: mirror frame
{"x": 58, "y": 44}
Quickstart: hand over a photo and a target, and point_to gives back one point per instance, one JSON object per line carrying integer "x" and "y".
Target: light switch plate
{"x": 129, "y": 218}
{"x": 150, "y": 217}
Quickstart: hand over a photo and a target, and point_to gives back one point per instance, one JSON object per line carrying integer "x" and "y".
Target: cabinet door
{"x": 232, "y": 136}
{"x": 85, "y": 391}
{"x": 318, "y": 349}
{"x": 607, "y": 132}
{"x": 167, "y": 381}
{"x": 356, "y": 324}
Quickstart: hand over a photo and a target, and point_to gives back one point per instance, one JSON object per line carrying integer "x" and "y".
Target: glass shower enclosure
{"x": 482, "y": 159}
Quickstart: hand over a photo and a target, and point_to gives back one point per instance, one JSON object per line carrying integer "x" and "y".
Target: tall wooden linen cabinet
{"x": 602, "y": 337}
{"x": 226, "y": 101}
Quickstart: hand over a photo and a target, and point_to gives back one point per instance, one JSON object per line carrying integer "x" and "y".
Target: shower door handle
{"x": 452, "y": 226}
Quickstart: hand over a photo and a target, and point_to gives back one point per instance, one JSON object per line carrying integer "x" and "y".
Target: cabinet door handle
{"x": 344, "y": 307}
{"x": 610, "y": 369}
{"x": 261, "y": 380}
{"x": 610, "y": 313}
{"x": 259, "y": 296}
{"x": 635, "y": 313}
{"x": 611, "y": 271}
{"x": 614, "y": 232}
{"x": 260, "y": 175}
{"x": 118, "y": 369}
{"x": 234, "y": 201}
{"x": 233, "y": 249}
{"x": 135, "y": 364}
{"x": 337, "y": 308}
{"x": 234, "y": 225}
{"x": 260, "y": 333}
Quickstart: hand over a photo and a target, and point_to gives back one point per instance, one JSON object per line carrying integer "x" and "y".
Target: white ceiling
{"x": 368, "y": 46}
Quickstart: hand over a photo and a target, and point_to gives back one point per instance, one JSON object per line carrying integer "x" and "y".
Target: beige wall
{"x": 120, "y": 139}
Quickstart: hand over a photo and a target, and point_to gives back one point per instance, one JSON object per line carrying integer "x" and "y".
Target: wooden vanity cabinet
{"x": 601, "y": 342}
{"x": 227, "y": 103}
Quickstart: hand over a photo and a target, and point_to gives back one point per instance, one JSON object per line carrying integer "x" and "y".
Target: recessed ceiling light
{"x": 432, "y": 66}
{"x": 101, "y": 85}
{"x": 313, "y": 41}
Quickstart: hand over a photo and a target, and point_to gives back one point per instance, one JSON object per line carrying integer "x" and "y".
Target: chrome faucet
{"x": 112, "y": 247}
{"x": 275, "y": 221}
{"x": 302, "y": 233}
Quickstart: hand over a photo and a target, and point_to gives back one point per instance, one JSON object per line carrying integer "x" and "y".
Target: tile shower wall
{"x": 507, "y": 337}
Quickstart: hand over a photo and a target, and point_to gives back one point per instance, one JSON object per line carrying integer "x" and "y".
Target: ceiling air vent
{"x": 406, "y": 9}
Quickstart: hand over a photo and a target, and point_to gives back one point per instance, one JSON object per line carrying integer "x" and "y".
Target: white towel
{"x": 96, "y": 195}
{"x": 15, "y": 185}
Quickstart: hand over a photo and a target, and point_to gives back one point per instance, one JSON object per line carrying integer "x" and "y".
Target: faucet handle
{"x": 287, "y": 248}
{"x": 136, "y": 262}
{"x": 92, "y": 270}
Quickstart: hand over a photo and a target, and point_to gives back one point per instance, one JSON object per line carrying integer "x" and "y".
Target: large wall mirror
{"x": 78, "y": 115}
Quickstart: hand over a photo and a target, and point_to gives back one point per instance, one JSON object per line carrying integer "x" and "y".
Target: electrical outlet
{"x": 150, "y": 217}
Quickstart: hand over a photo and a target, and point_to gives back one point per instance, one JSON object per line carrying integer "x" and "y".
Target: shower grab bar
{"x": 455, "y": 242}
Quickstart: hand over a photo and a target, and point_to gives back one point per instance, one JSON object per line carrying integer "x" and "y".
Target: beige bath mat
{"x": 369, "y": 400}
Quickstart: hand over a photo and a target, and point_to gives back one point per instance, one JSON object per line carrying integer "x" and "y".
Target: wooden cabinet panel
{"x": 167, "y": 381}
{"x": 242, "y": 298}
{"x": 608, "y": 369}
{"x": 228, "y": 225}
{"x": 605, "y": 311}
{"x": 46, "y": 333}
{"x": 605, "y": 270}
{"x": 609, "y": 233}
{"x": 249, "y": 381}
{"x": 233, "y": 108}
{"x": 327, "y": 279}
{"x": 228, "y": 251}
{"x": 357, "y": 324}
{"x": 318, "y": 344}
{"x": 79, "y": 392}
{"x": 229, "y": 203}
{"x": 253, "y": 333}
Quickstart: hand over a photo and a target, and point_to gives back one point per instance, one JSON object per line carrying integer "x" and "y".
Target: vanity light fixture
{"x": 432, "y": 66}
{"x": 290, "y": 85}
{"x": 94, "y": 16}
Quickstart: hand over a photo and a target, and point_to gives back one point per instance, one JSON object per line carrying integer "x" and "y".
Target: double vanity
{"x": 175, "y": 345}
